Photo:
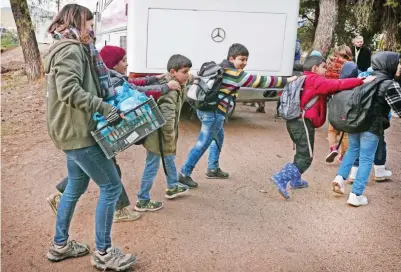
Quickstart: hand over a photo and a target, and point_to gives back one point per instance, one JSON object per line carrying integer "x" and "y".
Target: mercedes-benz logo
{"x": 218, "y": 34}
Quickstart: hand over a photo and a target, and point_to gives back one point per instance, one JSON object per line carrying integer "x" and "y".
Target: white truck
{"x": 203, "y": 30}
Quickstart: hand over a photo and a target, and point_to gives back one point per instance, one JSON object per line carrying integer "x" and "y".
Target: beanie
{"x": 112, "y": 55}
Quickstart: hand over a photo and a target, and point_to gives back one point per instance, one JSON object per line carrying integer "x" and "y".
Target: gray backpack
{"x": 290, "y": 100}
{"x": 290, "y": 105}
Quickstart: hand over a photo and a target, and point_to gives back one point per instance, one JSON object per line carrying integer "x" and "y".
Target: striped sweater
{"x": 234, "y": 79}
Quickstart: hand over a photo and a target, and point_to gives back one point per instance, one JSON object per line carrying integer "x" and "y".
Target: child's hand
{"x": 174, "y": 85}
{"x": 160, "y": 76}
{"x": 369, "y": 79}
{"x": 291, "y": 79}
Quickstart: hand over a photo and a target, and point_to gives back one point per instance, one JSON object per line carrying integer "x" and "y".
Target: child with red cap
{"x": 115, "y": 59}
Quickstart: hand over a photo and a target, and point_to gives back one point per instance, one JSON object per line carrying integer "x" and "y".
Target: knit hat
{"x": 349, "y": 70}
{"x": 112, "y": 55}
{"x": 316, "y": 53}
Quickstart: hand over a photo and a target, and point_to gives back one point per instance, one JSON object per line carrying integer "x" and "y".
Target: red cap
{"x": 112, "y": 55}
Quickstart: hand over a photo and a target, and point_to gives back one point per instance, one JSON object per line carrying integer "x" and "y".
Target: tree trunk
{"x": 328, "y": 12}
{"x": 26, "y": 33}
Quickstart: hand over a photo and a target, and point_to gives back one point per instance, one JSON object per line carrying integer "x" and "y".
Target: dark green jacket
{"x": 170, "y": 105}
{"x": 72, "y": 95}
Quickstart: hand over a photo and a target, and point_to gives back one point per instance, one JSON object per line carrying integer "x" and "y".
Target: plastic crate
{"x": 138, "y": 123}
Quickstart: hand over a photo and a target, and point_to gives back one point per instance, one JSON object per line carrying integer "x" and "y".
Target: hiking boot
{"x": 125, "y": 215}
{"x": 148, "y": 205}
{"x": 357, "y": 201}
{"x": 179, "y": 190}
{"x": 333, "y": 154}
{"x": 261, "y": 110}
{"x": 282, "y": 178}
{"x": 216, "y": 174}
{"x": 187, "y": 180}
{"x": 72, "y": 249}
{"x": 338, "y": 185}
{"x": 53, "y": 201}
{"x": 381, "y": 173}
{"x": 114, "y": 259}
{"x": 352, "y": 174}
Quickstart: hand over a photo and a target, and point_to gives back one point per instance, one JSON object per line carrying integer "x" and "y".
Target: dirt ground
{"x": 224, "y": 225}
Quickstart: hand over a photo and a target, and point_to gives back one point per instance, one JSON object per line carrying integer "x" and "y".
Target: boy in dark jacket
{"x": 170, "y": 105}
{"x": 302, "y": 132}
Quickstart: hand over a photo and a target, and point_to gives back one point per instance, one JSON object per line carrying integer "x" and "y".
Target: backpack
{"x": 290, "y": 100}
{"x": 204, "y": 92}
{"x": 349, "y": 111}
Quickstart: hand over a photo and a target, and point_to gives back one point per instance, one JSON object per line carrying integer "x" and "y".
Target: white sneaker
{"x": 381, "y": 173}
{"x": 357, "y": 201}
{"x": 352, "y": 174}
{"x": 338, "y": 185}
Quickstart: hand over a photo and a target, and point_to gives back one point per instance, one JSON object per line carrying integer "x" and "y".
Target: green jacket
{"x": 72, "y": 95}
{"x": 170, "y": 105}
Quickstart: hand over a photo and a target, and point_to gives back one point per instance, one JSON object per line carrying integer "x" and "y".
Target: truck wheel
{"x": 231, "y": 112}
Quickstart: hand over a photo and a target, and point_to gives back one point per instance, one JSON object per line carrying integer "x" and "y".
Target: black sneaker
{"x": 216, "y": 174}
{"x": 148, "y": 205}
{"x": 187, "y": 181}
{"x": 177, "y": 191}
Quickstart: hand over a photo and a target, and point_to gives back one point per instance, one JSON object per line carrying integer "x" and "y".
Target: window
{"x": 123, "y": 42}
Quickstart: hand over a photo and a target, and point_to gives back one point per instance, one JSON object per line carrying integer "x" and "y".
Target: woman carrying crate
{"x": 76, "y": 82}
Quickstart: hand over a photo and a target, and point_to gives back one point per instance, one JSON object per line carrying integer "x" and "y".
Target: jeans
{"x": 149, "y": 173}
{"x": 296, "y": 129}
{"x": 84, "y": 164}
{"x": 123, "y": 200}
{"x": 362, "y": 145}
{"x": 212, "y": 127}
{"x": 380, "y": 159}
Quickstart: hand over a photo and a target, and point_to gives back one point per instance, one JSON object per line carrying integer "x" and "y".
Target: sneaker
{"x": 125, "y": 215}
{"x": 216, "y": 174}
{"x": 352, "y": 174}
{"x": 148, "y": 205}
{"x": 72, "y": 249}
{"x": 338, "y": 185}
{"x": 114, "y": 259}
{"x": 53, "y": 201}
{"x": 381, "y": 173}
{"x": 177, "y": 191}
{"x": 187, "y": 180}
{"x": 333, "y": 154}
{"x": 357, "y": 201}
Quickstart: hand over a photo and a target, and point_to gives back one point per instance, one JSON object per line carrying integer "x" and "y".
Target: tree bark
{"x": 328, "y": 12}
{"x": 26, "y": 33}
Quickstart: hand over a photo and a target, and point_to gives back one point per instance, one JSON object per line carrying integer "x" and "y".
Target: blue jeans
{"x": 363, "y": 146}
{"x": 380, "y": 159}
{"x": 84, "y": 164}
{"x": 150, "y": 172}
{"x": 212, "y": 127}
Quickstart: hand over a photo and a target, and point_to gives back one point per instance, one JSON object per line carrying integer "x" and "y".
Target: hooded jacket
{"x": 72, "y": 95}
{"x": 384, "y": 65}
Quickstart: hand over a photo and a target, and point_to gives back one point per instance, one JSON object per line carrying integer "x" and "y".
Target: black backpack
{"x": 350, "y": 111}
{"x": 204, "y": 92}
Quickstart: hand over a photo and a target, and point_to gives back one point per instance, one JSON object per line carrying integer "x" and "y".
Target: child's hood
{"x": 56, "y": 47}
{"x": 226, "y": 64}
{"x": 385, "y": 64}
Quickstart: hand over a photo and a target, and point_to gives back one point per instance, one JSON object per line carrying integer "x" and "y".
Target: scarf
{"x": 106, "y": 88}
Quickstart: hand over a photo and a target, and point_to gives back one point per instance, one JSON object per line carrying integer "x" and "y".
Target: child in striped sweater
{"x": 212, "y": 132}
